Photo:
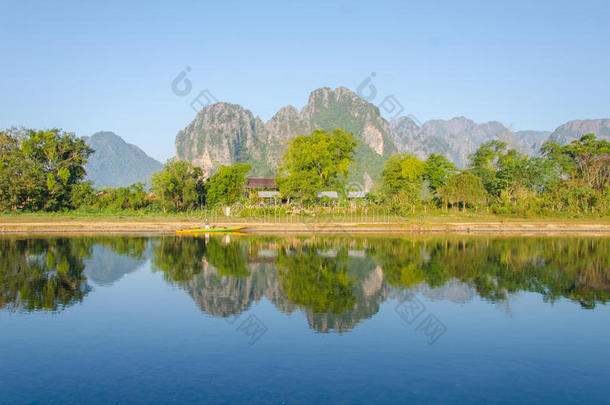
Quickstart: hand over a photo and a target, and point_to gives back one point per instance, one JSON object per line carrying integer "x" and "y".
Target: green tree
{"x": 227, "y": 184}
{"x": 463, "y": 189}
{"x": 586, "y": 159}
{"x": 508, "y": 174}
{"x": 583, "y": 167}
{"x": 40, "y": 169}
{"x": 133, "y": 197}
{"x": 485, "y": 165}
{"x": 403, "y": 174}
{"x": 178, "y": 186}
{"x": 316, "y": 162}
{"x": 438, "y": 169}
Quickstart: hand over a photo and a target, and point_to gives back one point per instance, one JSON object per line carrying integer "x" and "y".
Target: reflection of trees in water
{"x": 178, "y": 258}
{"x": 51, "y": 273}
{"x": 316, "y": 282}
{"x": 333, "y": 289}
{"x": 336, "y": 281}
{"x": 340, "y": 281}
{"x": 41, "y": 274}
{"x": 217, "y": 274}
{"x": 370, "y": 292}
{"x": 574, "y": 268}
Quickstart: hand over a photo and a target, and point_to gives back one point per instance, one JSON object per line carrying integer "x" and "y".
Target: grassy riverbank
{"x": 138, "y": 221}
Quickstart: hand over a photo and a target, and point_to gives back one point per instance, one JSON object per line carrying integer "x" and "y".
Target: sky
{"x": 87, "y": 67}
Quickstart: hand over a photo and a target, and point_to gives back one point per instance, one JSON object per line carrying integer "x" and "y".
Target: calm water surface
{"x": 304, "y": 319}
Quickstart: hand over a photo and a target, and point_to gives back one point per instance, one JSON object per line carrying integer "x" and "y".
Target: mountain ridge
{"x": 116, "y": 163}
{"x": 225, "y": 133}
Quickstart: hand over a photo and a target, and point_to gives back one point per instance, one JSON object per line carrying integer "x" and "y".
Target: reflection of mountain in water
{"x": 370, "y": 292}
{"x": 105, "y": 266}
{"x": 453, "y": 290}
{"x": 224, "y": 296}
{"x": 338, "y": 282}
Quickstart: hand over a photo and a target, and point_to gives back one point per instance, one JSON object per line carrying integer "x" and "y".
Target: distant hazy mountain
{"x": 528, "y": 141}
{"x": 116, "y": 163}
{"x": 572, "y": 130}
{"x": 459, "y": 137}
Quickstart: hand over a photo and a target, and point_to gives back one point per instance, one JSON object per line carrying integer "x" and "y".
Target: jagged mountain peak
{"x": 325, "y": 93}
{"x": 404, "y": 123}
{"x": 222, "y": 109}
{"x": 224, "y": 133}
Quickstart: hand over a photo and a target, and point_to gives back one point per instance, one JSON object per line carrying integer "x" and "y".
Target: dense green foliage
{"x": 179, "y": 186}
{"x": 44, "y": 171}
{"x": 572, "y": 179}
{"x": 438, "y": 170}
{"x": 316, "y": 162}
{"x": 134, "y": 197}
{"x": 226, "y": 186}
{"x": 40, "y": 170}
{"x": 403, "y": 174}
{"x": 463, "y": 189}
{"x": 506, "y": 170}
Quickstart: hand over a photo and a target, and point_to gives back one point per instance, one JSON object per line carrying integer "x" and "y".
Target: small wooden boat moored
{"x": 209, "y": 230}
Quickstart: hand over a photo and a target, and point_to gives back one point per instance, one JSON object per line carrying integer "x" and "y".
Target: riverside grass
{"x": 137, "y": 221}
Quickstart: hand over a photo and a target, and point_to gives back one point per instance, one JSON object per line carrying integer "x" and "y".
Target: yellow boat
{"x": 209, "y": 230}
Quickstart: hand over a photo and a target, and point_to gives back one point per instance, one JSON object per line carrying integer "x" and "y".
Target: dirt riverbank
{"x": 148, "y": 225}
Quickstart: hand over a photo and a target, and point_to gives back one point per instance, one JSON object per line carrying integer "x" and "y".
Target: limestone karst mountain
{"x": 224, "y": 134}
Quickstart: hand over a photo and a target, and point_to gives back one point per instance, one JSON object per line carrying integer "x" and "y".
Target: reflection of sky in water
{"x": 143, "y": 339}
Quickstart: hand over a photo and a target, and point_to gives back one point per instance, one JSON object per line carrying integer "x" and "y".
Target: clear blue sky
{"x": 109, "y": 66}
